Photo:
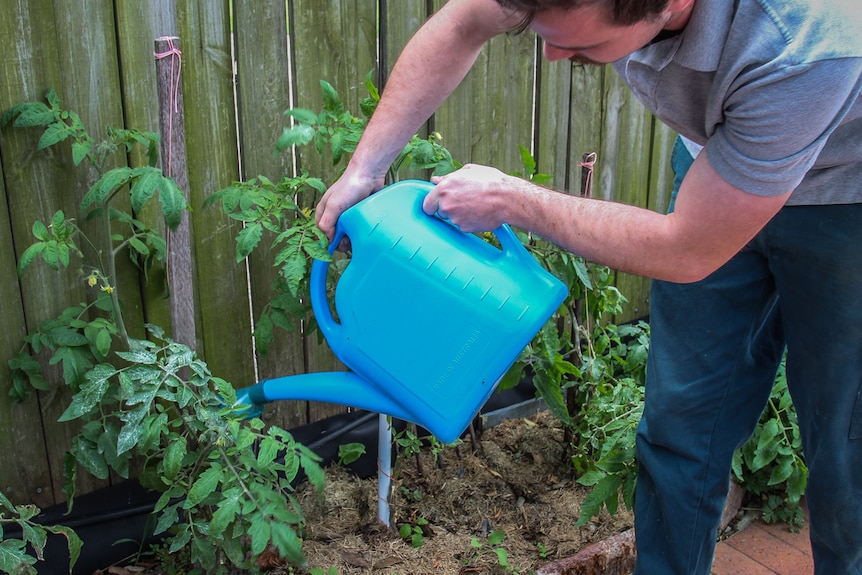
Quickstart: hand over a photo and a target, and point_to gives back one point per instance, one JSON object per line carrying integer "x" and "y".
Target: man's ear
{"x": 679, "y": 10}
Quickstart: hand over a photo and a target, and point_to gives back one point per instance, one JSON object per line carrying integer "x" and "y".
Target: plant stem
{"x": 112, "y": 276}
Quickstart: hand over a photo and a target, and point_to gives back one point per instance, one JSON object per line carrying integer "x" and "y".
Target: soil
{"x": 517, "y": 479}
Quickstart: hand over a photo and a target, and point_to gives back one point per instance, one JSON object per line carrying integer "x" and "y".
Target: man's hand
{"x": 472, "y": 198}
{"x": 344, "y": 193}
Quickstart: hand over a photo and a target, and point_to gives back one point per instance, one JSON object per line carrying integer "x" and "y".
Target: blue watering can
{"x": 428, "y": 318}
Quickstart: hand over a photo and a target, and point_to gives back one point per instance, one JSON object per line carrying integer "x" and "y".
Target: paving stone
{"x": 778, "y": 554}
{"x": 729, "y": 561}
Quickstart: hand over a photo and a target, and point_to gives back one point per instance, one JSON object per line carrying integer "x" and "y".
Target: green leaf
{"x": 302, "y": 115}
{"x": 145, "y": 187}
{"x": 14, "y": 559}
{"x": 781, "y": 472}
{"x": 73, "y": 541}
{"x": 35, "y": 535}
{"x": 80, "y": 149}
{"x": 41, "y": 232}
{"x": 269, "y": 449}
{"x": 53, "y": 98}
{"x": 32, "y": 114}
{"x": 350, "y": 452}
{"x": 550, "y": 390}
{"x": 314, "y": 472}
{"x": 248, "y": 239}
{"x": 594, "y": 501}
{"x": 139, "y": 246}
{"x": 527, "y": 160}
{"x": 512, "y": 377}
{"x": 373, "y": 92}
{"x": 263, "y": 334}
{"x": 582, "y": 272}
{"x": 205, "y": 484}
{"x": 224, "y": 515}
{"x": 259, "y": 531}
{"x": 293, "y": 271}
{"x": 174, "y": 455}
{"x": 51, "y": 255}
{"x": 496, "y": 537}
{"x": 331, "y": 100}
{"x": 181, "y": 539}
{"x": 298, "y": 135}
{"x": 102, "y": 189}
{"x": 29, "y": 255}
{"x": 53, "y": 134}
{"x": 139, "y": 356}
{"x": 285, "y": 540}
{"x": 87, "y": 454}
{"x": 173, "y": 202}
{"x": 85, "y": 400}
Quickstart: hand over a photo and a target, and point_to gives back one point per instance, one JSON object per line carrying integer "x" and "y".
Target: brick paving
{"x": 764, "y": 549}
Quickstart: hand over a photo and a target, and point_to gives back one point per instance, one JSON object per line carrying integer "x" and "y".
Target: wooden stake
{"x": 173, "y": 157}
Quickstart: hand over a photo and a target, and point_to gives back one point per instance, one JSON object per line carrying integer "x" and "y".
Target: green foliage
{"x": 492, "y": 544}
{"x": 152, "y": 406}
{"x": 414, "y": 533}
{"x": 271, "y": 208}
{"x": 164, "y": 407}
{"x": 770, "y": 464}
{"x": 589, "y": 371}
{"x": 339, "y": 131}
{"x": 14, "y": 556}
{"x": 56, "y": 241}
{"x": 350, "y": 452}
{"x": 263, "y": 205}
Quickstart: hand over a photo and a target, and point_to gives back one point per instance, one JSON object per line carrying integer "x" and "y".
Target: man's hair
{"x": 623, "y": 12}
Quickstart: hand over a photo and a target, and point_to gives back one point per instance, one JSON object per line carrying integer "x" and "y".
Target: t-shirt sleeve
{"x": 777, "y": 122}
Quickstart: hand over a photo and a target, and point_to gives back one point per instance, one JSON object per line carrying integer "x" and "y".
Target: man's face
{"x": 584, "y": 35}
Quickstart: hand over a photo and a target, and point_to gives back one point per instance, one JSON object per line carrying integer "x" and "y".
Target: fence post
{"x": 180, "y": 266}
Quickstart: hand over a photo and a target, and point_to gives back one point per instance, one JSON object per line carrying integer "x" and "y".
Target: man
{"x": 762, "y": 249}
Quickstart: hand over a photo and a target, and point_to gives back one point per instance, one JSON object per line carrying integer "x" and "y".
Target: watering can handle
{"x": 317, "y": 288}
{"x": 509, "y": 242}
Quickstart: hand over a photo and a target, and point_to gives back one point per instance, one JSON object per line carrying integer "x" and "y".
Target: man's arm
{"x": 711, "y": 222}
{"x": 431, "y": 66}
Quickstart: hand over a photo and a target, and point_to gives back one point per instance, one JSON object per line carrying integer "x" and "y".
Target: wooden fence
{"x": 243, "y": 63}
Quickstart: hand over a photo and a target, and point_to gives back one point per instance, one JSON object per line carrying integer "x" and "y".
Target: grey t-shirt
{"x": 771, "y": 88}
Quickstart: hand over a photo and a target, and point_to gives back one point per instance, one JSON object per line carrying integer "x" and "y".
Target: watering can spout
{"x": 342, "y": 387}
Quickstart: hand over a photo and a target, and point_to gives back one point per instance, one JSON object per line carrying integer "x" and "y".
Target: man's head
{"x": 624, "y": 12}
{"x": 598, "y": 31}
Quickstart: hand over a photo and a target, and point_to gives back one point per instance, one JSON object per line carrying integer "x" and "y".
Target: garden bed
{"x": 516, "y": 479}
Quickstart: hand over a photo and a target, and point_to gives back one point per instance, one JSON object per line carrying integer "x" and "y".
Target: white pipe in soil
{"x": 384, "y": 469}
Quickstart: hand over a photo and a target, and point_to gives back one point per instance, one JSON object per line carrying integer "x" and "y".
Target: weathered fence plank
{"x": 213, "y": 164}
{"x": 553, "y": 113}
{"x": 497, "y": 98}
{"x": 38, "y": 183}
{"x": 138, "y": 24}
{"x": 624, "y": 161}
{"x": 22, "y": 479}
{"x": 263, "y": 86}
{"x": 336, "y": 42}
{"x": 399, "y": 21}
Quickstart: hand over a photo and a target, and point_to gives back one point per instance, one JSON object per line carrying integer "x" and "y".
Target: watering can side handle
{"x": 513, "y": 247}
{"x": 317, "y": 288}
{"x": 508, "y": 240}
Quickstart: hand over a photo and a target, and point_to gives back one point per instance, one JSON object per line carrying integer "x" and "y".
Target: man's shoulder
{"x": 814, "y": 28}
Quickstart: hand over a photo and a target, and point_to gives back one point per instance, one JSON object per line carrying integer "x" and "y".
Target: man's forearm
{"x": 433, "y": 63}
